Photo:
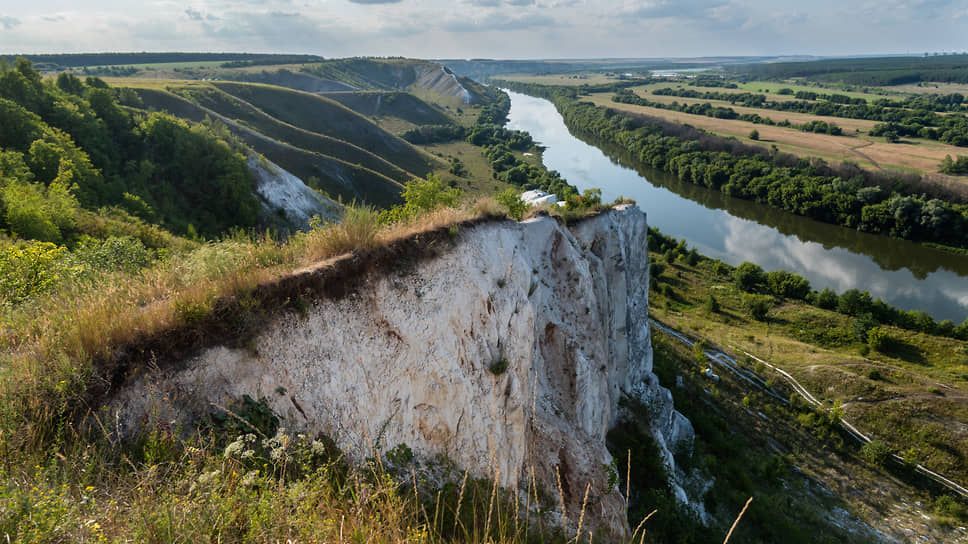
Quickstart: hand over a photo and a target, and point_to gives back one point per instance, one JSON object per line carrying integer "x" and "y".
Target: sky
{"x": 489, "y": 28}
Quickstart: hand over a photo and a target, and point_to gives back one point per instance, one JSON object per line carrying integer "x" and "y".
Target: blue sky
{"x": 489, "y": 28}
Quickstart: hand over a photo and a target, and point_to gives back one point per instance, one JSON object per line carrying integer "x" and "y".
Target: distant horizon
{"x": 493, "y": 29}
{"x": 710, "y": 58}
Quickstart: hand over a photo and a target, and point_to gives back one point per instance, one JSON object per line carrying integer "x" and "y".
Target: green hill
{"x": 280, "y": 143}
{"x": 327, "y": 117}
{"x": 399, "y": 105}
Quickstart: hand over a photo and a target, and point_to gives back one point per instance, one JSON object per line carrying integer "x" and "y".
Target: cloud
{"x": 683, "y": 9}
{"x": 8, "y": 22}
{"x": 193, "y": 14}
{"x": 498, "y": 21}
{"x": 376, "y": 1}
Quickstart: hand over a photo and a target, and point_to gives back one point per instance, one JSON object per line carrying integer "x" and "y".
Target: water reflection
{"x": 905, "y": 274}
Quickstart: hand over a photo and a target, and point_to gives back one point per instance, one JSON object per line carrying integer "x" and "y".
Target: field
{"x": 908, "y": 155}
{"x": 564, "y": 79}
{"x": 932, "y": 88}
{"x": 771, "y": 87}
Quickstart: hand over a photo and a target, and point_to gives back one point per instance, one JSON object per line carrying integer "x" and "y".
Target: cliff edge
{"x": 507, "y": 352}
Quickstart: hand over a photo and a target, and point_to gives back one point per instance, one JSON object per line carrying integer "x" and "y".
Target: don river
{"x": 905, "y": 274}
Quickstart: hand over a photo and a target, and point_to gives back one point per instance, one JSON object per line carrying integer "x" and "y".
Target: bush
{"x": 787, "y": 284}
{"x": 511, "y": 200}
{"x": 758, "y": 305}
{"x": 754, "y": 134}
{"x": 422, "y": 195}
{"x": 875, "y": 452}
{"x": 878, "y": 339}
{"x": 31, "y": 269}
{"x": 749, "y": 277}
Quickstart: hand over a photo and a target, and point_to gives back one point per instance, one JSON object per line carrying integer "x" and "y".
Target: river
{"x": 905, "y": 274}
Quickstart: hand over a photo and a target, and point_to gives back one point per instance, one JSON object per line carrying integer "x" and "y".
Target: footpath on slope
{"x": 724, "y": 360}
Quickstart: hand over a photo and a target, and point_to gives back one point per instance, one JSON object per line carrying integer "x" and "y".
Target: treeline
{"x": 751, "y": 278}
{"x": 77, "y": 60}
{"x": 914, "y": 117}
{"x": 627, "y": 96}
{"x": 805, "y": 187}
{"x": 881, "y": 71}
{"x": 68, "y": 145}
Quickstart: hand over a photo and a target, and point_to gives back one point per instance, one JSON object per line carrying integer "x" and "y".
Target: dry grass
{"x": 910, "y": 155}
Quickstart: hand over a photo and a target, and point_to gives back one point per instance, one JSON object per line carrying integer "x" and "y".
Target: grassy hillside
{"x": 398, "y": 105}
{"x": 336, "y": 177}
{"x": 323, "y": 116}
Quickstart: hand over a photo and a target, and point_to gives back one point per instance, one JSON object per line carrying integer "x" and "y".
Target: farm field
{"x": 909, "y": 155}
{"x": 850, "y": 126}
{"x": 564, "y": 79}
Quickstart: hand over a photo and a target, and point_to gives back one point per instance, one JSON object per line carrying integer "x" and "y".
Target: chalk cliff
{"x": 509, "y": 350}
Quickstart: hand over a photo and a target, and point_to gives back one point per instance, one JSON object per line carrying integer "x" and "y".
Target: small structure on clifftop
{"x": 538, "y": 198}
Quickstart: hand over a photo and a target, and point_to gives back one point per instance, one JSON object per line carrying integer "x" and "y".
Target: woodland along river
{"x": 905, "y": 274}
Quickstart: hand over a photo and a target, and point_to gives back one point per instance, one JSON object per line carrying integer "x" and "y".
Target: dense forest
{"x": 801, "y": 186}
{"x": 866, "y": 71}
{"x": 70, "y": 147}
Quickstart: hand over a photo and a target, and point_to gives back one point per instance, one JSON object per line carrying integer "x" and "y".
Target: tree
{"x": 754, "y": 134}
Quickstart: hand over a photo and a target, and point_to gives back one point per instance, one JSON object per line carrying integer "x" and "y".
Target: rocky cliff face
{"x": 509, "y": 351}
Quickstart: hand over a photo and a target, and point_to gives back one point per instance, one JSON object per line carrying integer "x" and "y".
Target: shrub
{"x": 511, "y": 200}
{"x": 758, "y": 305}
{"x": 787, "y": 284}
{"x": 749, "y": 276}
{"x": 423, "y": 195}
{"x": 875, "y": 452}
{"x": 711, "y": 305}
{"x": 31, "y": 269}
{"x": 878, "y": 339}
{"x": 754, "y": 134}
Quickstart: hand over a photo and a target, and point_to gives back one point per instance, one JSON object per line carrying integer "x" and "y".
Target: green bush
{"x": 32, "y": 268}
{"x": 875, "y": 452}
{"x": 758, "y": 305}
{"x": 787, "y": 284}
{"x": 511, "y": 200}
{"x": 878, "y": 339}
{"x": 749, "y": 277}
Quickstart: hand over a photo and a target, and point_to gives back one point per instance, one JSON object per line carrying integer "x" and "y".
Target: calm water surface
{"x": 905, "y": 274}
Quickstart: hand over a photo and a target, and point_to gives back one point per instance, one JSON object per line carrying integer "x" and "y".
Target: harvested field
{"x": 909, "y": 155}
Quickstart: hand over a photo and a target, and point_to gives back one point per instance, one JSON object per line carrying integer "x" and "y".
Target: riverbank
{"x": 906, "y": 274}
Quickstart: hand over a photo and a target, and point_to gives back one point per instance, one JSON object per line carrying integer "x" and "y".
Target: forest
{"x": 866, "y": 71}
{"x": 70, "y": 146}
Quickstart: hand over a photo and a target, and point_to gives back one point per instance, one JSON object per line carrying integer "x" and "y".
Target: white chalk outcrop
{"x": 407, "y": 358}
{"x": 286, "y": 200}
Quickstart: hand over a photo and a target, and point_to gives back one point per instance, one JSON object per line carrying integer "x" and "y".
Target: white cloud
{"x": 489, "y": 28}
